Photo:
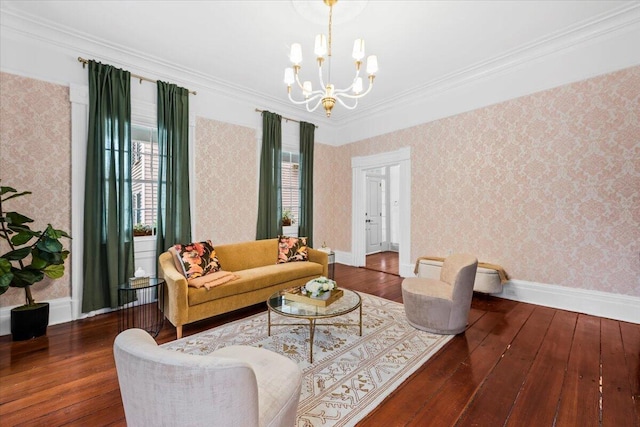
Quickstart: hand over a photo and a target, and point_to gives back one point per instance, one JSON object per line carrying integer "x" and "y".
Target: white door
{"x": 373, "y": 214}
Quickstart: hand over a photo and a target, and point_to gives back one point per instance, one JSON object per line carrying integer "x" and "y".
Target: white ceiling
{"x": 243, "y": 45}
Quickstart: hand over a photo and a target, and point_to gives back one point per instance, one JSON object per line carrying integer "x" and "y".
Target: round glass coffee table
{"x": 278, "y": 303}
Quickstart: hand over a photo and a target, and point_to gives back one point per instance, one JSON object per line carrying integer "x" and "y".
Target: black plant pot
{"x": 29, "y": 321}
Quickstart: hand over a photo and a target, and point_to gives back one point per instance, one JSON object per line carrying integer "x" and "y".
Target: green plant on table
{"x": 287, "y": 218}
{"x": 142, "y": 230}
{"x": 33, "y": 254}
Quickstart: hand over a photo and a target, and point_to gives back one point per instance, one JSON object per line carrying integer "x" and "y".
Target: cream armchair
{"x": 233, "y": 386}
{"x": 442, "y": 306}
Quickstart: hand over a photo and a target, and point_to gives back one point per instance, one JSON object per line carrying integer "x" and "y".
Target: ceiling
{"x": 242, "y": 46}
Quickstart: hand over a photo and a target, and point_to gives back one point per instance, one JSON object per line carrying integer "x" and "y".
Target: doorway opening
{"x": 382, "y": 221}
{"x": 372, "y": 224}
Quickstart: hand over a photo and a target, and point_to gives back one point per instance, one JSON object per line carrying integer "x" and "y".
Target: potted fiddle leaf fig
{"x": 32, "y": 256}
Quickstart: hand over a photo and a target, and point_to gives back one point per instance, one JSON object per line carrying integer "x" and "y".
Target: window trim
{"x": 291, "y": 187}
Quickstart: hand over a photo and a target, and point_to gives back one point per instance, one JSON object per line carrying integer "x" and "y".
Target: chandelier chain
{"x": 330, "y": 22}
{"x": 329, "y": 43}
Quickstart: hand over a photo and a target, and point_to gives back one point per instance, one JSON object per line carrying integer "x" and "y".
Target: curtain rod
{"x": 141, "y": 78}
{"x": 286, "y": 118}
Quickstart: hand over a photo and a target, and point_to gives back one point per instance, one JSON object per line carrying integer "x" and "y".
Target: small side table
{"x": 332, "y": 265}
{"x": 140, "y": 306}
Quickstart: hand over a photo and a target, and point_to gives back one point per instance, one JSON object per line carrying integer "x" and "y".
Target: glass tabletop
{"x": 349, "y": 301}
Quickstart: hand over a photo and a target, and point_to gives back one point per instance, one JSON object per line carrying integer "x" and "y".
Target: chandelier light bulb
{"x": 358, "y": 49}
{"x": 321, "y": 46}
{"x": 289, "y": 79}
{"x": 296, "y": 54}
{"x": 357, "y": 85}
{"x": 307, "y": 89}
{"x": 372, "y": 65}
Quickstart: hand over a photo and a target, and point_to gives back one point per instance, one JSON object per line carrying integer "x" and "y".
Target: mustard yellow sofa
{"x": 254, "y": 263}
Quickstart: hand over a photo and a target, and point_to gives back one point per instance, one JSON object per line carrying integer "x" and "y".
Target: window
{"x": 137, "y": 206}
{"x": 136, "y": 147}
{"x": 144, "y": 182}
{"x": 291, "y": 184}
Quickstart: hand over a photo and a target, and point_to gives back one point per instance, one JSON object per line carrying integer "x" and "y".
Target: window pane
{"x": 290, "y": 184}
{"x": 144, "y": 172}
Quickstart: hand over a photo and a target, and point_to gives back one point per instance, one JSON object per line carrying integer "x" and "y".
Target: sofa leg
{"x": 179, "y": 332}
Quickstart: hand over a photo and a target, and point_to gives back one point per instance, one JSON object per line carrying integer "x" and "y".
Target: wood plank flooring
{"x": 387, "y": 262}
{"x": 516, "y": 365}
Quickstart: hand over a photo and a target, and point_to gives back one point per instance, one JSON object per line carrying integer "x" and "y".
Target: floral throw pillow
{"x": 292, "y": 249}
{"x": 197, "y": 259}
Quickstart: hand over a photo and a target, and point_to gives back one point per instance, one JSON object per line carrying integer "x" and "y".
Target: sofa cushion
{"x": 245, "y": 255}
{"x": 197, "y": 259}
{"x": 256, "y": 278}
{"x": 292, "y": 249}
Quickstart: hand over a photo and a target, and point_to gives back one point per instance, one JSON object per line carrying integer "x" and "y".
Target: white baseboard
{"x": 345, "y": 258}
{"x": 406, "y": 270}
{"x": 596, "y": 303}
{"x": 602, "y": 304}
{"x": 60, "y": 311}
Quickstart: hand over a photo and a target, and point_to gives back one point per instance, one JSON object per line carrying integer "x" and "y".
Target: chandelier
{"x": 328, "y": 94}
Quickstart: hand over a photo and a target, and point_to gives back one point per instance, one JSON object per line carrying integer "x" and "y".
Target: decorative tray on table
{"x": 304, "y": 296}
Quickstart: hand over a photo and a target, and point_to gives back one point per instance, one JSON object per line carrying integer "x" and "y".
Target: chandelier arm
{"x": 298, "y": 82}
{"x": 347, "y": 89}
{"x": 313, "y": 92}
{"x": 338, "y": 98}
{"x": 311, "y": 110}
{"x": 360, "y": 95}
{"x": 304, "y": 101}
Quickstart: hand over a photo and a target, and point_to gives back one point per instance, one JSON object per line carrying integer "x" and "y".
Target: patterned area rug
{"x": 350, "y": 375}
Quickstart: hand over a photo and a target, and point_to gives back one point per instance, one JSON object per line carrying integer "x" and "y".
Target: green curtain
{"x": 174, "y": 213}
{"x": 269, "y": 194}
{"x": 108, "y": 217}
{"x": 307, "y": 136}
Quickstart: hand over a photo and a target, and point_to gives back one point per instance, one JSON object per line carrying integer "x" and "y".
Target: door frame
{"x": 359, "y": 165}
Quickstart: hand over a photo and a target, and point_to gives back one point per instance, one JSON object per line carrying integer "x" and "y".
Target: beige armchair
{"x": 442, "y": 306}
{"x": 233, "y": 386}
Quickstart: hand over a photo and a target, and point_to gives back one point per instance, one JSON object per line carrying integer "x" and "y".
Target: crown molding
{"x": 138, "y": 62}
{"x": 77, "y": 43}
{"x": 617, "y": 20}
{"x": 409, "y": 108}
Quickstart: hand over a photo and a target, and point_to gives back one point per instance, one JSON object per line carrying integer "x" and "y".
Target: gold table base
{"x": 312, "y": 325}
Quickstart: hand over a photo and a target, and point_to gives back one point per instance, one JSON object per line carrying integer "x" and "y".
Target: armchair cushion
{"x": 233, "y": 386}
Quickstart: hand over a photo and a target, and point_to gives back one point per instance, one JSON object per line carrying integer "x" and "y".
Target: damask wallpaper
{"x": 332, "y": 197}
{"x": 226, "y": 184}
{"x": 35, "y": 155}
{"x": 547, "y": 185}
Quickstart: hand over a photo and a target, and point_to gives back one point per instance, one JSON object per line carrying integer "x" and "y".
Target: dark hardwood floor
{"x": 516, "y": 365}
{"x": 386, "y": 262}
